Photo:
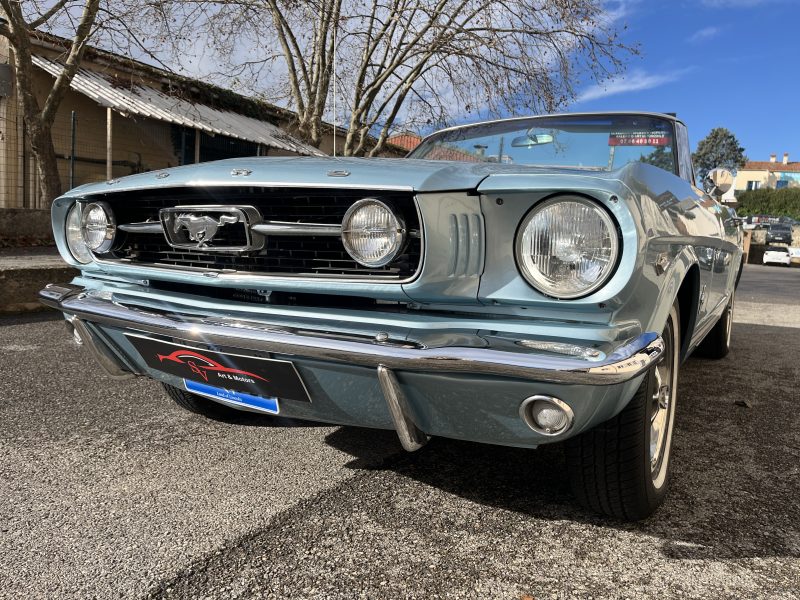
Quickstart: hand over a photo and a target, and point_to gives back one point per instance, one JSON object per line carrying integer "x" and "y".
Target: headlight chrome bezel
{"x": 607, "y": 219}
{"x": 73, "y": 235}
{"x": 110, "y": 227}
{"x": 398, "y": 241}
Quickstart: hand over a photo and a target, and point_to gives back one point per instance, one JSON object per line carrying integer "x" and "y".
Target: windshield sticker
{"x": 639, "y": 138}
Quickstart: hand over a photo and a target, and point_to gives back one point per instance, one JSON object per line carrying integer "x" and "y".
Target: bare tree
{"x": 39, "y": 117}
{"x": 122, "y": 25}
{"x": 423, "y": 62}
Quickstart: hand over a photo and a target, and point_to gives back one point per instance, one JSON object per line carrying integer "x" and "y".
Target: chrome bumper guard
{"x": 627, "y": 361}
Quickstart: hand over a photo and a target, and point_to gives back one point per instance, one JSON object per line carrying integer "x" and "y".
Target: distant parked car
{"x": 794, "y": 255}
{"x": 753, "y": 222}
{"x": 777, "y": 255}
{"x": 779, "y": 233}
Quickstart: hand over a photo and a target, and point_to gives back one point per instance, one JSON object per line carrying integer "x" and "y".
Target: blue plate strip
{"x": 269, "y": 405}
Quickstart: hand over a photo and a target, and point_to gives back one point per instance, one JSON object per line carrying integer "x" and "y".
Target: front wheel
{"x": 717, "y": 344}
{"x": 199, "y": 404}
{"x": 622, "y": 467}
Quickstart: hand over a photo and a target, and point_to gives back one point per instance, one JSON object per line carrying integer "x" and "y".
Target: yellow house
{"x": 771, "y": 174}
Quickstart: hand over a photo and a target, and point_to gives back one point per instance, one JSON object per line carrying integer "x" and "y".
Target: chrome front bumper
{"x": 628, "y": 360}
{"x": 88, "y": 312}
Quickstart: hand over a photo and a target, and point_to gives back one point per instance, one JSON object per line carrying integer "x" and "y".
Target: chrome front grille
{"x": 295, "y": 253}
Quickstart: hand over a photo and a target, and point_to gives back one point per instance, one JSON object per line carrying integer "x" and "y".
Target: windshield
{"x": 595, "y": 142}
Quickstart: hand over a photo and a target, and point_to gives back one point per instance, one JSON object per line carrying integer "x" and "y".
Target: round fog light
{"x": 546, "y": 415}
{"x": 372, "y": 233}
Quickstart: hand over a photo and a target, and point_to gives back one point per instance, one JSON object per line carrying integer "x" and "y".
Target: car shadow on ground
{"x": 244, "y": 418}
{"x": 736, "y": 470}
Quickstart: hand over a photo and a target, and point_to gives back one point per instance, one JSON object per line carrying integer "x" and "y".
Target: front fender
{"x": 682, "y": 283}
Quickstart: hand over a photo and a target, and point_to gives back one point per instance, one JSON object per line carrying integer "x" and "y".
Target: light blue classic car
{"x": 519, "y": 282}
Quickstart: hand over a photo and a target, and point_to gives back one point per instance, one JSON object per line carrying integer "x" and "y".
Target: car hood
{"x": 360, "y": 173}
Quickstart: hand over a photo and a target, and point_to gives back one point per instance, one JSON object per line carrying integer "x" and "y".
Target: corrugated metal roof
{"x": 147, "y": 101}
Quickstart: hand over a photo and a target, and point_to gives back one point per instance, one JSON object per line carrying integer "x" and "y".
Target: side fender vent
{"x": 467, "y": 245}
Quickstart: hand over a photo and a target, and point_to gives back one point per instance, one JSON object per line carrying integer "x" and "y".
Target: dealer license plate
{"x": 269, "y": 405}
{"x": 210, "y": 373}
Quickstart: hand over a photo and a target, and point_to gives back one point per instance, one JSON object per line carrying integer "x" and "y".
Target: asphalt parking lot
{"x": 109, "y": 490}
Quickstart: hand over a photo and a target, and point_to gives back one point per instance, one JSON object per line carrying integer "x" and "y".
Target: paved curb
{"x": 21, "y": 278}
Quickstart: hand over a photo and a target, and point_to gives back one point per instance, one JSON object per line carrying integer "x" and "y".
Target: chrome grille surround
{"x": 285, "y": 253}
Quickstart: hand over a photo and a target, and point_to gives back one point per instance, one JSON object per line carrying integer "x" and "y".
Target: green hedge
{"x": 776, "y": 203}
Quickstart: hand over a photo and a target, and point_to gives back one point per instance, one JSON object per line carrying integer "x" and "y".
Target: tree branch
{"x": 72, "y": 63}
{"x": 47, "y": 15}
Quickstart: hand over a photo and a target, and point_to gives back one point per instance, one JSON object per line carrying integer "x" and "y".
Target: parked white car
{"x": 794, "y": 255}
{"x": 777, "y": 255}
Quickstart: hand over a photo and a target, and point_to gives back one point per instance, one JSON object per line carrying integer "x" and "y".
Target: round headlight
{"x": 74, "y": 236}
{"x": 567, "y": 247}
{"x": 371, "y": 233}
{"x": 98, "y": 227}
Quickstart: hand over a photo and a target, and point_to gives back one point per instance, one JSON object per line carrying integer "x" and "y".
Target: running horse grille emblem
{"x": 202, "y": 229}
{"x": 196, "y": 228}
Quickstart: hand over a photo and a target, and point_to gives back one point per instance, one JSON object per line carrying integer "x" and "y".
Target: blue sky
{"x": 717, "y": 63}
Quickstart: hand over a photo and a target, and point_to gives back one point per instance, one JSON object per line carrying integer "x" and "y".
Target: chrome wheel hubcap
{"x": 659, "y": 417}
{"x": 729, "y": 324}
{"x": 662, "y": 409}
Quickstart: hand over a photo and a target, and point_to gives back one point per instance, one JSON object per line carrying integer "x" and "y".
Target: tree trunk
{"x": 309, "y": 130}
{"x": 43, "y": 150}
{"x": 39, "y": 123}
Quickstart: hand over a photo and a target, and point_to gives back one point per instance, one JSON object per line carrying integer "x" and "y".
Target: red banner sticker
{"x": 639, "y": 138}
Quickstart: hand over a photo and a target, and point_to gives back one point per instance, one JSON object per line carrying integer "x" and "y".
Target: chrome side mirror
{"x": 717, "y": 182}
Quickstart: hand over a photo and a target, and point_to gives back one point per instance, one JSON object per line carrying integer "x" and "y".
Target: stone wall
{"x": 21, "y": 227}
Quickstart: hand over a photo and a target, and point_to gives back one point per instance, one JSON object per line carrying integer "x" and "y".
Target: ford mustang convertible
{"x": 520, "y": 282}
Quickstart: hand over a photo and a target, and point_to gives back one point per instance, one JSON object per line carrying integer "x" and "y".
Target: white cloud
{"x": 706, "y": 33}
{"x": 635, "y": 81}
{"x": 619, "y": 9}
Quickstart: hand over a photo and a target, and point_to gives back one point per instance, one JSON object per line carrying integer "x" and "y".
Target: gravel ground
{"x": 108, "y": 490}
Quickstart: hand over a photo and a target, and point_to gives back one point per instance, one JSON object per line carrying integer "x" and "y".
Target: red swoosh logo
{"x": 207, "y": 365}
